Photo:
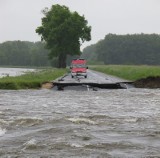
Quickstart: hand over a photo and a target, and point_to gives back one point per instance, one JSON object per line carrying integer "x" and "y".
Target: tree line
{"x": 136, "y": 49}
{"x": 23, "y": 53}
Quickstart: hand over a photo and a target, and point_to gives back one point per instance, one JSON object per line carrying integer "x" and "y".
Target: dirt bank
{"x": 47, "y": 85}
{"x": 149, "y": 82}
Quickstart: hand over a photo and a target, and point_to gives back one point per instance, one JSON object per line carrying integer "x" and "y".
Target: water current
{"x": 122, "y": 123}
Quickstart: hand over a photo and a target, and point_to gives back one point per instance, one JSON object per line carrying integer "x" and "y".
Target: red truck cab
{"x": 78, "y": 68}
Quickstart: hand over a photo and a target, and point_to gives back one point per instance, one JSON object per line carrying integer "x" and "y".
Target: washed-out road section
{"x": 94, "y": 80}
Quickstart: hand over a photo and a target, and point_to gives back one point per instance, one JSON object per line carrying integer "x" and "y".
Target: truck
{"x": 78, "y": 68}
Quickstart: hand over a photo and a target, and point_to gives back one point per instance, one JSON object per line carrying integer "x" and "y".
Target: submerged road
{"x": 94, "y": 79}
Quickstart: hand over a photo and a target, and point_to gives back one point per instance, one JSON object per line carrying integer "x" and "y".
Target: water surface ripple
{"x": 106, "y": 123}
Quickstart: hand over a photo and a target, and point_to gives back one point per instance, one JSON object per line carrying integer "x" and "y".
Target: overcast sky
{"x": 20, "y": 18}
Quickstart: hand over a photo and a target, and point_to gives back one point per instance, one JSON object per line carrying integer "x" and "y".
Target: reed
{"x": 31, "y": 80}
{"x": 129, "y": 72}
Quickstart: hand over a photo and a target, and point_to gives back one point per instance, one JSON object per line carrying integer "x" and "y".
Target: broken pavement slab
{"x": 94, "y": 79}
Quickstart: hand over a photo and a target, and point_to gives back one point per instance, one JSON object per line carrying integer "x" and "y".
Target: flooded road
{"x": 94, "y": 80}
{"x": 105, "y": 123}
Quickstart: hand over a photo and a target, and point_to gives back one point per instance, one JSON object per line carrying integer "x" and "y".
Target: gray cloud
{"x": 19, "y": 18}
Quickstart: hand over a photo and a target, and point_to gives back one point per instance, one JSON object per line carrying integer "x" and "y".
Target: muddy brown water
{"x": 105, "y": 123}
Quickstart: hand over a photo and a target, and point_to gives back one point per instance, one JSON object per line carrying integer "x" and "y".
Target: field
{"x": 35, "y": 80}
{"x": 31, "y": 80}
{"x": 128, "y": 72}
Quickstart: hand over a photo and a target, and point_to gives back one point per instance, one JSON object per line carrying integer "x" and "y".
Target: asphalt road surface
{"x": 92, "y": 77}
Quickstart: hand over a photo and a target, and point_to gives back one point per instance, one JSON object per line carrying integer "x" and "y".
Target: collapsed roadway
{"x": 94, "y": 81}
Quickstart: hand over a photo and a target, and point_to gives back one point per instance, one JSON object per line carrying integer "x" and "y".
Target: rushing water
{"x": 105, "y": 123}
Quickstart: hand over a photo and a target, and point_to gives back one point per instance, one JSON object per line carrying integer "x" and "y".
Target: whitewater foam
{"x": 2, "y": 132}
{"x": 31, "y": 144}
{"x": 3, "y": 122}
{"x": 27, "y": 121}
{"x": 82, "y": 120}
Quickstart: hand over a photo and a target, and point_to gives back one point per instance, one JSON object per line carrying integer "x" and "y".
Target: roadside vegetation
{"x": 128, "y": 72}
{"x": 31, "y": 80}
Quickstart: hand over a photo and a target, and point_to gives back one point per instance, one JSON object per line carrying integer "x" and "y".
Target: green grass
{"x": 31, "y": 80}
{"x": 127, "y": 71}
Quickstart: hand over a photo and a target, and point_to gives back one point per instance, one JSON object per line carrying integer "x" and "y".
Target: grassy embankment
{"x": 128, "y": 72}
{"x": 31, "y": 80}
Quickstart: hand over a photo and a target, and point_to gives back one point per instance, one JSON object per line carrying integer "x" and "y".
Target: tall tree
{"x": 64, "y": 32}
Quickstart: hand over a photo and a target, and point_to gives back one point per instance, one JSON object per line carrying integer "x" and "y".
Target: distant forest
{"x": 136, "y": 49}
{"x": 23, "y": 53}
